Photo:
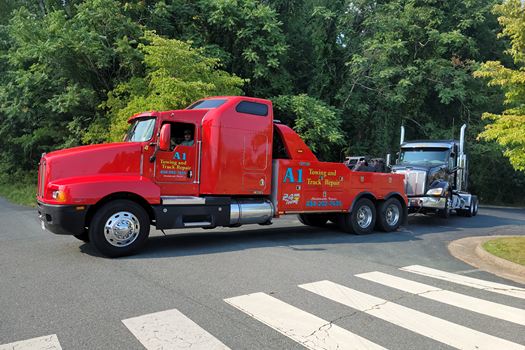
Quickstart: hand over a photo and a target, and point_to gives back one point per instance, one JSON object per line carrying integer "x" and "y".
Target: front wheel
{"x": 445, "y": 212}
{"x": 390, "y": 213}
{"x": 361, "y": 220}
{"x": 119, "y": 228}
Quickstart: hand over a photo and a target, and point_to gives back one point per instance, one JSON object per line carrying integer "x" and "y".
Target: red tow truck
{"x": 239, "y": 167}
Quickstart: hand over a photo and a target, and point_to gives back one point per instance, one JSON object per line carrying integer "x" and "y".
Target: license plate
{"x": 43, "y": 225}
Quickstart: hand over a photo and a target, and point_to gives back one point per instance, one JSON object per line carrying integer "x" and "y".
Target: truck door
{"x": 176, "y": 169}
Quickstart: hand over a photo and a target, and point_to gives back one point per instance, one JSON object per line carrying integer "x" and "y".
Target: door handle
{"x": 190, "y": 174}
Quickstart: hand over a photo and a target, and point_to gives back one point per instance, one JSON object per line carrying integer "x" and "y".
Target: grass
{"x": 511, "y": 248}
{"x": 19, "y": 190}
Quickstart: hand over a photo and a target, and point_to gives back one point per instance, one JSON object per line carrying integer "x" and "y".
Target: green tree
{"x": 318, "y": 124}
{"x": 58, "y": 70}
{"x": 176, "y": 75}
{"x": 412, "y": 65}
{"x": 508, "y": 128}
{"x": 245, "y": 35}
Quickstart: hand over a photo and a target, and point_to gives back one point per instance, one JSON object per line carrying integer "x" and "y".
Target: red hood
{"x": 112, "y": 158}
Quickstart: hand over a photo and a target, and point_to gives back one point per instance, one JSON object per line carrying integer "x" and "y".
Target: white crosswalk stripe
{"x": 432, "y": 327}
{"x": 306, "y": 329}
{"x": 466, "y": 281}
{"x": 171, "y": 330}
{"x": 480, "y": 306}
{"x": 48, "y": 342}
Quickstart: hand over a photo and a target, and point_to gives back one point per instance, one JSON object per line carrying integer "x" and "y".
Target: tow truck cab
{"x": 241, "y": 168}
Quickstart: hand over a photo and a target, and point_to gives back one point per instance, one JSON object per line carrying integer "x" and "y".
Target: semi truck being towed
{"x": 436, "y": 176}
{"x": 240, "y": 168}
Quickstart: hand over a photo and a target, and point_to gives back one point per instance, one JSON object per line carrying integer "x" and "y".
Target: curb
{"x": 496, "y": 260}
{"x": 470, "y": 250}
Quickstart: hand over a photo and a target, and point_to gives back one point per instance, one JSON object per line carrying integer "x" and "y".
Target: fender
{"x": 89, "y": 190}
{"x": 440, "y": 183}
{"x": 361, "y": 195}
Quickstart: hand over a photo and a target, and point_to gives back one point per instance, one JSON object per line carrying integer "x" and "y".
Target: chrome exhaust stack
{"x": 402, "y": 139}
{"x": 462, "y": 161}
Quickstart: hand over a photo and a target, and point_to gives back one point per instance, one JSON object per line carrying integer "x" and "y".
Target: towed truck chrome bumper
{"x": 416, "y": 203}
{"x": 62, "y": 219}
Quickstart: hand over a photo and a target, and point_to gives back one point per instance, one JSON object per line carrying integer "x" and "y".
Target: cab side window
{"x": 182, "y": 134}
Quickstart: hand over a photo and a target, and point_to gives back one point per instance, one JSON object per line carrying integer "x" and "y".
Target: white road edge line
{"x": 466, "y": 281}
{"x": 484, "y": 307}
{"x": 171, "y": 329}
{"x": 306, "y": 329}
{"x": 429, "y": 326}
{"x": 47, "y": 342}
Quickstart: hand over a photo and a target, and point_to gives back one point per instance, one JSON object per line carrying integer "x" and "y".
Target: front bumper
{"x": 416, "y": 203}
{"x": 63, "y": 219}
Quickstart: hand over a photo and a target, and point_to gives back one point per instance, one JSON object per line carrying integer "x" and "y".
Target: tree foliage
{"x": 347, "y": 74}
{"x": 176, "y": 75}
{"x": 318, "y": 123}
{"x": 508, "y": 128}
{"x": 58, "y": 70}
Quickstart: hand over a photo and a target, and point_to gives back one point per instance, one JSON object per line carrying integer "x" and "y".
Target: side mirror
{"x": 165, "y": 137}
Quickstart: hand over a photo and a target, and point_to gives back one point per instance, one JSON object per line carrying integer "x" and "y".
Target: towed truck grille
{"x": 414, "y": 182}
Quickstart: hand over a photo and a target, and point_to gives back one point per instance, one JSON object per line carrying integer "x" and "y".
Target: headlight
{"x": 435, "y": 191}
{"x": 59, "y": 196}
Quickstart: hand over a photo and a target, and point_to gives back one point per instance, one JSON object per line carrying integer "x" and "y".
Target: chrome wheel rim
{"x": 392, "y": 215}
{"x": 121, "y": 229}
{"x": 364, "y": 217}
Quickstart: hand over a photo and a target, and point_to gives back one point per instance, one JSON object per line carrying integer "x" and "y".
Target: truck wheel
{"x": 476, "y": 205}
{"x": 119, "y": 228}
{"x": 389, "y": 215}
{"x": 473, "y": 210}
{"x": 445, "y": 212}
{"x": 361, "y": 220}
{"x": 313, "y": 219}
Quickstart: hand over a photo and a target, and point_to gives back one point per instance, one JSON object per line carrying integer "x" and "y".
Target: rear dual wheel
{"x": 361, "y": 220}
{"x": 390, "y": 215}
{"x": 364, "y": 217}
{"x": 472, "y": 210}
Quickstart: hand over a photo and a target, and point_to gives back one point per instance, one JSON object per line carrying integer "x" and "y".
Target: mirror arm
{"x": 154, "y": 155}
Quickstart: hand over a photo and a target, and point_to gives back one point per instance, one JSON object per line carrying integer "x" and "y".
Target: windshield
{"x": 420, "y": 156}
{"x": 140, "y": 130}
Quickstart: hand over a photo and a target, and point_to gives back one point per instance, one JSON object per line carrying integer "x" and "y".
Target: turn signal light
{"x": 59, "y": 196}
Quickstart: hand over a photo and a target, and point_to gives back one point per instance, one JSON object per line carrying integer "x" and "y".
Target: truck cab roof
{"x": 430, "y": 144}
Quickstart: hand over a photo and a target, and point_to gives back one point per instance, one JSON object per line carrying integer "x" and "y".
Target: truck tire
{"x": 119, "y": 228}
{"x": 473, "y": 210}
{"x": 476, "y": 205}
{"x": 389, "y": 215}
{"x": 361, "y": 220}
{"x": 445, "y": 212}
{"x": 313, "y": 219}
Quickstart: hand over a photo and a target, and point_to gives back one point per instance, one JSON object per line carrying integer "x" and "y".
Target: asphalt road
{"x": 57, "y": 285}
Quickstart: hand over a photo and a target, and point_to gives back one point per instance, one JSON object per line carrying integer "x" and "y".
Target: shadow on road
{"x": 304, "y": 238}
